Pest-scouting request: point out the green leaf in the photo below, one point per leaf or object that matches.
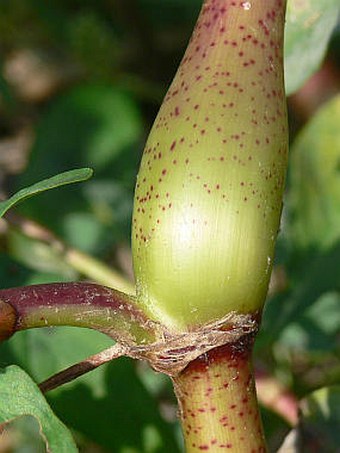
(314, 196)
(317, 275)
(97, 126)
(309, 26)
(38, 255)
(312, 228)
(12, 273)
(68, 177)
(316, 329)
(320, 418)
(20, 396)
(89, 125)
(91, 40)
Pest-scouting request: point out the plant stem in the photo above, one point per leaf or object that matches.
(208, 197)
(73, 304)
(83, 367)
(218, 404)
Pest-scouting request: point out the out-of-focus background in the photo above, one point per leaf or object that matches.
(80, 84)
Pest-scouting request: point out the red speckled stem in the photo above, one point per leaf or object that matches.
(73, 304)
(218, 405)
(209, 192)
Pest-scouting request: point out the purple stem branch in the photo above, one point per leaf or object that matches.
(74, 304)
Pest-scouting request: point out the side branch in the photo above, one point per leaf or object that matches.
(74, 304)
(83, 367)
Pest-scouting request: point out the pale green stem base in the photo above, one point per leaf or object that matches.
(218, 404)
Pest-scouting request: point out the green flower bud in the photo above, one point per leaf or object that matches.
(209, 191)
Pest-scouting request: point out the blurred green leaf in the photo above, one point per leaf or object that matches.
(318, 274)
(97, 125)
(68, 177)
(91, 41)
(314, 194)
(312, 233)
(90, 123)
(14, 274)
(38, 255)
(320, 419)
(19, 396)
(309, 26)
(11, 272)
(171, 12)
(315, 329)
